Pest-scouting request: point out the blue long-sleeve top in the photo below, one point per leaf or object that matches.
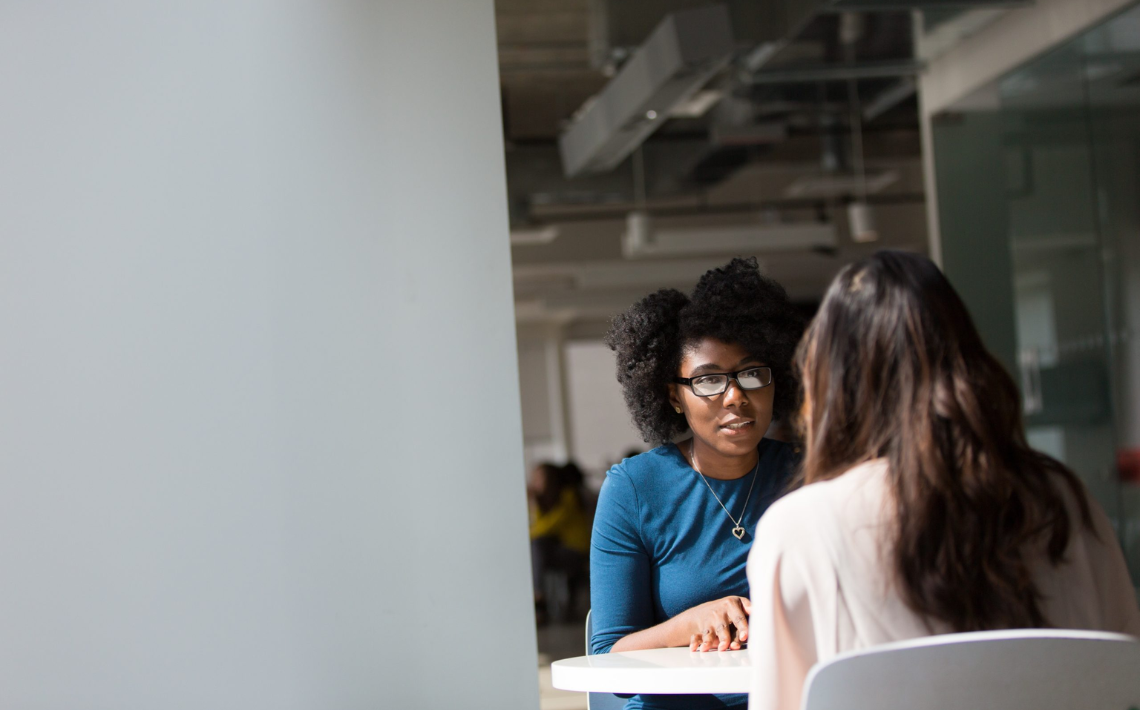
(662, 545)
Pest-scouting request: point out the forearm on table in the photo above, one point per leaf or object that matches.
(667, 634)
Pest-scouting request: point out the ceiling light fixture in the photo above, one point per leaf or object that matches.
(644, 240)
(534, 236)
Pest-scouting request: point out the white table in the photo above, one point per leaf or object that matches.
(660, 671)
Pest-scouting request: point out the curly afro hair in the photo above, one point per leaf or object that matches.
(733, 304)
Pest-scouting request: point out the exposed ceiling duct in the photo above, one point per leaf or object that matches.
(835, 185)
(617, 26)
(890, 97)
(685, 50)
(642, 240)
(566, 277)
(691, 41)
(757, 161)
(767, 27)
(838, 72)
(943, 5)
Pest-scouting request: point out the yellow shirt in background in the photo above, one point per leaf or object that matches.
(565, 521)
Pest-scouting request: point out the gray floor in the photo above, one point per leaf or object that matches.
(557, 641)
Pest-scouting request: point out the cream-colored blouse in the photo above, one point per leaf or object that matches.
(821, 584)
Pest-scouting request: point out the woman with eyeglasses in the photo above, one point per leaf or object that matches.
(924, 511)
(703, 376)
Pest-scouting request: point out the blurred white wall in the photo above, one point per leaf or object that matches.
(600, 422)
(259, 416)
(572, 404)
(542, 385)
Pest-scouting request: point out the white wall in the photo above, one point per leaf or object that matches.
(239, 243)
(600, 423)
(534, 384)
(542, 387)
(572, 403)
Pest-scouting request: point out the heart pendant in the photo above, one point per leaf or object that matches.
(738, 532)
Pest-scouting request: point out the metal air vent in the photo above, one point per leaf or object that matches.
(685, 50)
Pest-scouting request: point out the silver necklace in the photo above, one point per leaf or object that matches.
(738, 530)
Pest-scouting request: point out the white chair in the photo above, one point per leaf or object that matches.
(1035, 669)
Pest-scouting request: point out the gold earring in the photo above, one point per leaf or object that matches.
(678, 409)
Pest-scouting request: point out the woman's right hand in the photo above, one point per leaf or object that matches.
(713, 624)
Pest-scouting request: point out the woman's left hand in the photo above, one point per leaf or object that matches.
(720, 625)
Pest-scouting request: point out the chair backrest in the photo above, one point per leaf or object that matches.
(600, 701)
(1036, 669)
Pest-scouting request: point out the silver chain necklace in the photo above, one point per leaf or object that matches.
(738, 530)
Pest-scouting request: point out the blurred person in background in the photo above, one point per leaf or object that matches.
(559, 530)
(574, 480)
(923, 509)
(674, 525)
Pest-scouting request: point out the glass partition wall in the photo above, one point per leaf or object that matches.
(1039, 210)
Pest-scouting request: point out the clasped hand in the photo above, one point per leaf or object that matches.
(719, 625)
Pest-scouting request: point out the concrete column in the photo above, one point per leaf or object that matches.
(259, 423)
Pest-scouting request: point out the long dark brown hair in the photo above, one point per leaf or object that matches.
(894, 368)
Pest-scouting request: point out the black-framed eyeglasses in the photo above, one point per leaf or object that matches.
(711, 385)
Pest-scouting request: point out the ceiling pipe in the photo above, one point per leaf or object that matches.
(890, 97)
(838, 72)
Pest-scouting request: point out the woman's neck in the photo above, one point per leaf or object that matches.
(716, 465)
